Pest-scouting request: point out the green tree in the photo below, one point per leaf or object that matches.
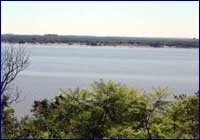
(108, 110)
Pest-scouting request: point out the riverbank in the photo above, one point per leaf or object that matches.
(101, 41)
(84, 45)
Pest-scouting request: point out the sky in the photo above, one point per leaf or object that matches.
(129, 18)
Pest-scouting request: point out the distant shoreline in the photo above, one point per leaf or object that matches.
(131, 42)
(84, 45)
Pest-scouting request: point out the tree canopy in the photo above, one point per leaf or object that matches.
(107, 110)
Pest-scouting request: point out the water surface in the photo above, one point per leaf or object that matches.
(55, 67)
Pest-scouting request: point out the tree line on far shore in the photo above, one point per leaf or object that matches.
(101, 41)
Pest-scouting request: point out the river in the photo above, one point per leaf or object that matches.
(55, 66)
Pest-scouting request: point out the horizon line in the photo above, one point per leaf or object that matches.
(101, 35)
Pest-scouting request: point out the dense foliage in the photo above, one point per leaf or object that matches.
(101, 41)
(107, 110)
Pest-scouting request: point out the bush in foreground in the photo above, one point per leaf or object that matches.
(107, 110)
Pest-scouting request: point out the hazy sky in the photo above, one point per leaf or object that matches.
(144, 19)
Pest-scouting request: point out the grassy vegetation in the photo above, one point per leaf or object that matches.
(107, 110)
(101, 41)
